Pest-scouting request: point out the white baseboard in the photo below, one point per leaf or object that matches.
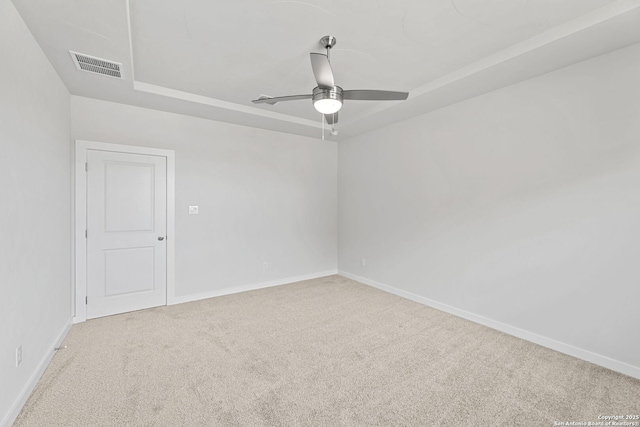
(250, 287)
(13, 413)
(598, 359)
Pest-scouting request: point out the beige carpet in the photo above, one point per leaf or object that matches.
(324, 352)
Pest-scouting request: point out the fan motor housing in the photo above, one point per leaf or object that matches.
(327, 93)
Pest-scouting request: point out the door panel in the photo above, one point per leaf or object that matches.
(129, 197)
(126, 214)
(128, 270)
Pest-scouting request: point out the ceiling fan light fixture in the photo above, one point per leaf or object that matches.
(327, 98)
(327, 106)
(327, 101)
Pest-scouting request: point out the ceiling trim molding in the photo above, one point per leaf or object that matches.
(205, 100)
(548, 37)
(128, 7)
(213, 102)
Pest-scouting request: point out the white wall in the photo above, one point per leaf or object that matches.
(35, 209)
(520, 208)
(262, 195)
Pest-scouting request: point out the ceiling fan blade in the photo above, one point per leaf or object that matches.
(322, 70)
(271, 100)
(331, 118)
(374, 95)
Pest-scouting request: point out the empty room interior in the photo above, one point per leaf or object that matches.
(305, 213)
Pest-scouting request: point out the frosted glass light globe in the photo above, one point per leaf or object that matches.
(327, 105)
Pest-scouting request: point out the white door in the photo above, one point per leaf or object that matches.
(126, 232)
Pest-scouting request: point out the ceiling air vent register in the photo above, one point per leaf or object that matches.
(95, 65)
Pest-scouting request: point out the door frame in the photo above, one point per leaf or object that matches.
(80, 217)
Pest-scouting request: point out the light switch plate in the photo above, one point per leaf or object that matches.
(193, 210)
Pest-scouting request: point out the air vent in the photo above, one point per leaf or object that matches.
(95, 65)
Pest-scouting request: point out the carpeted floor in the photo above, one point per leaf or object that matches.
(323, 352)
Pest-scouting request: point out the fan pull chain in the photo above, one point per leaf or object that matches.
(322, 121)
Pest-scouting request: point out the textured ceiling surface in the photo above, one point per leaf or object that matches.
(210, 58)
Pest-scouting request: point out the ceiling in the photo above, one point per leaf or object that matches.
(211, 58)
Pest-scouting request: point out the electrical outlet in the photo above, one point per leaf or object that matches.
(265, 264)
(18, 355)
(193, 210)
(364, 262)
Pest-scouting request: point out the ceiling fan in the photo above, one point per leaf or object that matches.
(327, 97)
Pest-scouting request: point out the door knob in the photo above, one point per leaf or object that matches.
(161, 238)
